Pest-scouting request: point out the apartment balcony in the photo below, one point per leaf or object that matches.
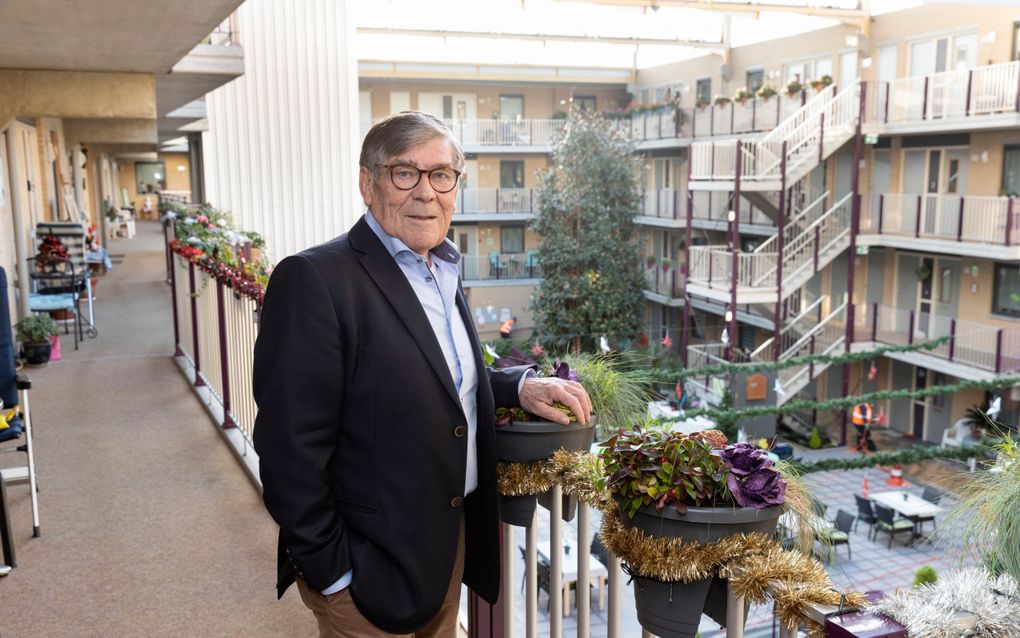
(986, 97)
(506, 136)
(506, 269)
(667, 208)
(496, 204)
(949, 224)
(972, 350)
(664, 284)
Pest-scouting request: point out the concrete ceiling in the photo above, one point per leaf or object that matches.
(146, 36)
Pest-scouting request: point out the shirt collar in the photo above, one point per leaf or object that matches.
(447, 251)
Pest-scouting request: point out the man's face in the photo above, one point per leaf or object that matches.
(419, 217)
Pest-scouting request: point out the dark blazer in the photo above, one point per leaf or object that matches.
(360, 435)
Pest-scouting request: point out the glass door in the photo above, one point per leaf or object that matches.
(924, 310)
(919, 408)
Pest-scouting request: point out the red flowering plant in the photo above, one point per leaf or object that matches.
(51, 252)
(653, 465)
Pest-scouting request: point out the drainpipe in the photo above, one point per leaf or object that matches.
(18, 213)
(855, 221)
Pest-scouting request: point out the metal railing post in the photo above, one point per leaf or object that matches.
(734, 612)
(959, 221)
(531, 572)
(821, 138)
(811, 366)
(194, 323)
(173, 298)
(221, 319)
(924, 103)
(917, 219)
(615, 576)
(557, 606)
(952, 338)
(881, 211)
(1009, 221)
(497, 201)
(970, 83)
(998, 350)
(817, 242)
(874, 322)
(887, 91)
(910, 328)
(583, 588)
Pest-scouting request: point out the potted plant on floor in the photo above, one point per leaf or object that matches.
(698, 490)
(525, 442)
(34, 334)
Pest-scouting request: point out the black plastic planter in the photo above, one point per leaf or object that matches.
(517, 510)
(36, 354)
(673, 610)
(568, 508)
(526, 441)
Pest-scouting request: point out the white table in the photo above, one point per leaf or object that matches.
(912, 507)
(596, 570)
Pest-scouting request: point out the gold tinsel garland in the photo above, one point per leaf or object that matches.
(756, 566)
(523, 479)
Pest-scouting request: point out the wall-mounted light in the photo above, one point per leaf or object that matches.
(852, 41)
(181, 168)
(731, 216)
(984, 157)
(728, 317)
(865, 63)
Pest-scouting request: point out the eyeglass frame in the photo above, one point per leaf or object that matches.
(420, 173)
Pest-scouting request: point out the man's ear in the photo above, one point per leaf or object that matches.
(365, 184)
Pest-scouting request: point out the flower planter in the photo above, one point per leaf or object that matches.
(517, 510)
(36, 354)
(528, 441)
(673, 609)
(568, 506)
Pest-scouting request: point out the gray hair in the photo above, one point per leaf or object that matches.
(400, 133)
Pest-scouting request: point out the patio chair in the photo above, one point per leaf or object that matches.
(532, 264)
(56, 286)
(866, 514)
(932, 494)
(497, 266)
(890, 525)
(840, 535)
(72, 236)
(15, 412)
(821, 509)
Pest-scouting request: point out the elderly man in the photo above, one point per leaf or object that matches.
(375, 428)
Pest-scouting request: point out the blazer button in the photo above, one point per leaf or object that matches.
(459, 431)
(456, 502)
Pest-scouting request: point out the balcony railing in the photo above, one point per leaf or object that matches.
(215, 329)
(981, 91)
(664, 279)
(500, 266)
(226, 33)
(986, 220)
(497, 201)
(505, 132)
(968, 343)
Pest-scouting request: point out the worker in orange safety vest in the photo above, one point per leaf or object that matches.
(862, 419)
(507, 328)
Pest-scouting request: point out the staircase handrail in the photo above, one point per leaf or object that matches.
(765, 245)
(789, 326)
(814, 330)
(798, 117)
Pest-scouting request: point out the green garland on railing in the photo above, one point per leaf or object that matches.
(772, 366)
(844, 403)
(902, 457)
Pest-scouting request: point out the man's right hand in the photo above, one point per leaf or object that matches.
(539, 393)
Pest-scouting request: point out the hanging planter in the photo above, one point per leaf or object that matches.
(695, 489)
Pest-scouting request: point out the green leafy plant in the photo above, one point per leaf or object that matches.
(821, 82)
(653, 465)
(793, 87)
(741, 95)
(925, 576)
(987, 513)
(702, 103)
(765, 91)
(721, 100)
(35, 329)
(816, 438)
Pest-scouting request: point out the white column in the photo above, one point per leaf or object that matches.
(280, 152)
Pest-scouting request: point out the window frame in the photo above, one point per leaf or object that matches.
(509, 96)
(503, 228)
(1006, 149)
(160, 184)
(697, 90)
(758, 72)
(581, 99)
(995, 292)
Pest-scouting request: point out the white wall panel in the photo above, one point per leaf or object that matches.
(281, 149)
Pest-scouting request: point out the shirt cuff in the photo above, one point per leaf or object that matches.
(339, 585)
(524, 377)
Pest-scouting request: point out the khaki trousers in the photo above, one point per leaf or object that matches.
(339, 618)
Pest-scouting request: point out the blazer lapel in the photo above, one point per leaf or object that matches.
(485, 401)
(386, 274)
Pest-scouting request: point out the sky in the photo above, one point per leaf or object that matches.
(567, 17)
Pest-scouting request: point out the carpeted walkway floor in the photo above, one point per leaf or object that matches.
(149, 525)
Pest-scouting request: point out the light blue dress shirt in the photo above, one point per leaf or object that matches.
(436, 289)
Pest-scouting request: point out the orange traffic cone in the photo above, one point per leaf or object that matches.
(864, 487)
(895, 476)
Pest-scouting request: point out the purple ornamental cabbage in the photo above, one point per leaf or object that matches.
(753, 480)
(563, 371)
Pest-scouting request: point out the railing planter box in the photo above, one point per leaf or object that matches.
(673, 609)
(533, 441)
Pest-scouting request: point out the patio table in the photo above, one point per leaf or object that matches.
(908, 505)
(597, 571)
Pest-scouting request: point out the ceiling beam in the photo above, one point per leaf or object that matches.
(543, 37)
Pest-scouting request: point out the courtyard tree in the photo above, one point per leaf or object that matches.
(592, 281)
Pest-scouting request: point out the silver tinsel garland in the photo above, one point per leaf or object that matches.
(931, 611)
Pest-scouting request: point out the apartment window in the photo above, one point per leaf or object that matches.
(1016, 41)
(447, 107)
(755, 79)
(1011, 171)
(703, 91)
(511, 174)
(150, 176)
(511, 107)
(1006, 292)
(938, 401)
(511, 239)
(584, 103)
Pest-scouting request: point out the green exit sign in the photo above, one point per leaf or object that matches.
(871, 138)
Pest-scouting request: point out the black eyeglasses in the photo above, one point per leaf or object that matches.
(405, 177)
